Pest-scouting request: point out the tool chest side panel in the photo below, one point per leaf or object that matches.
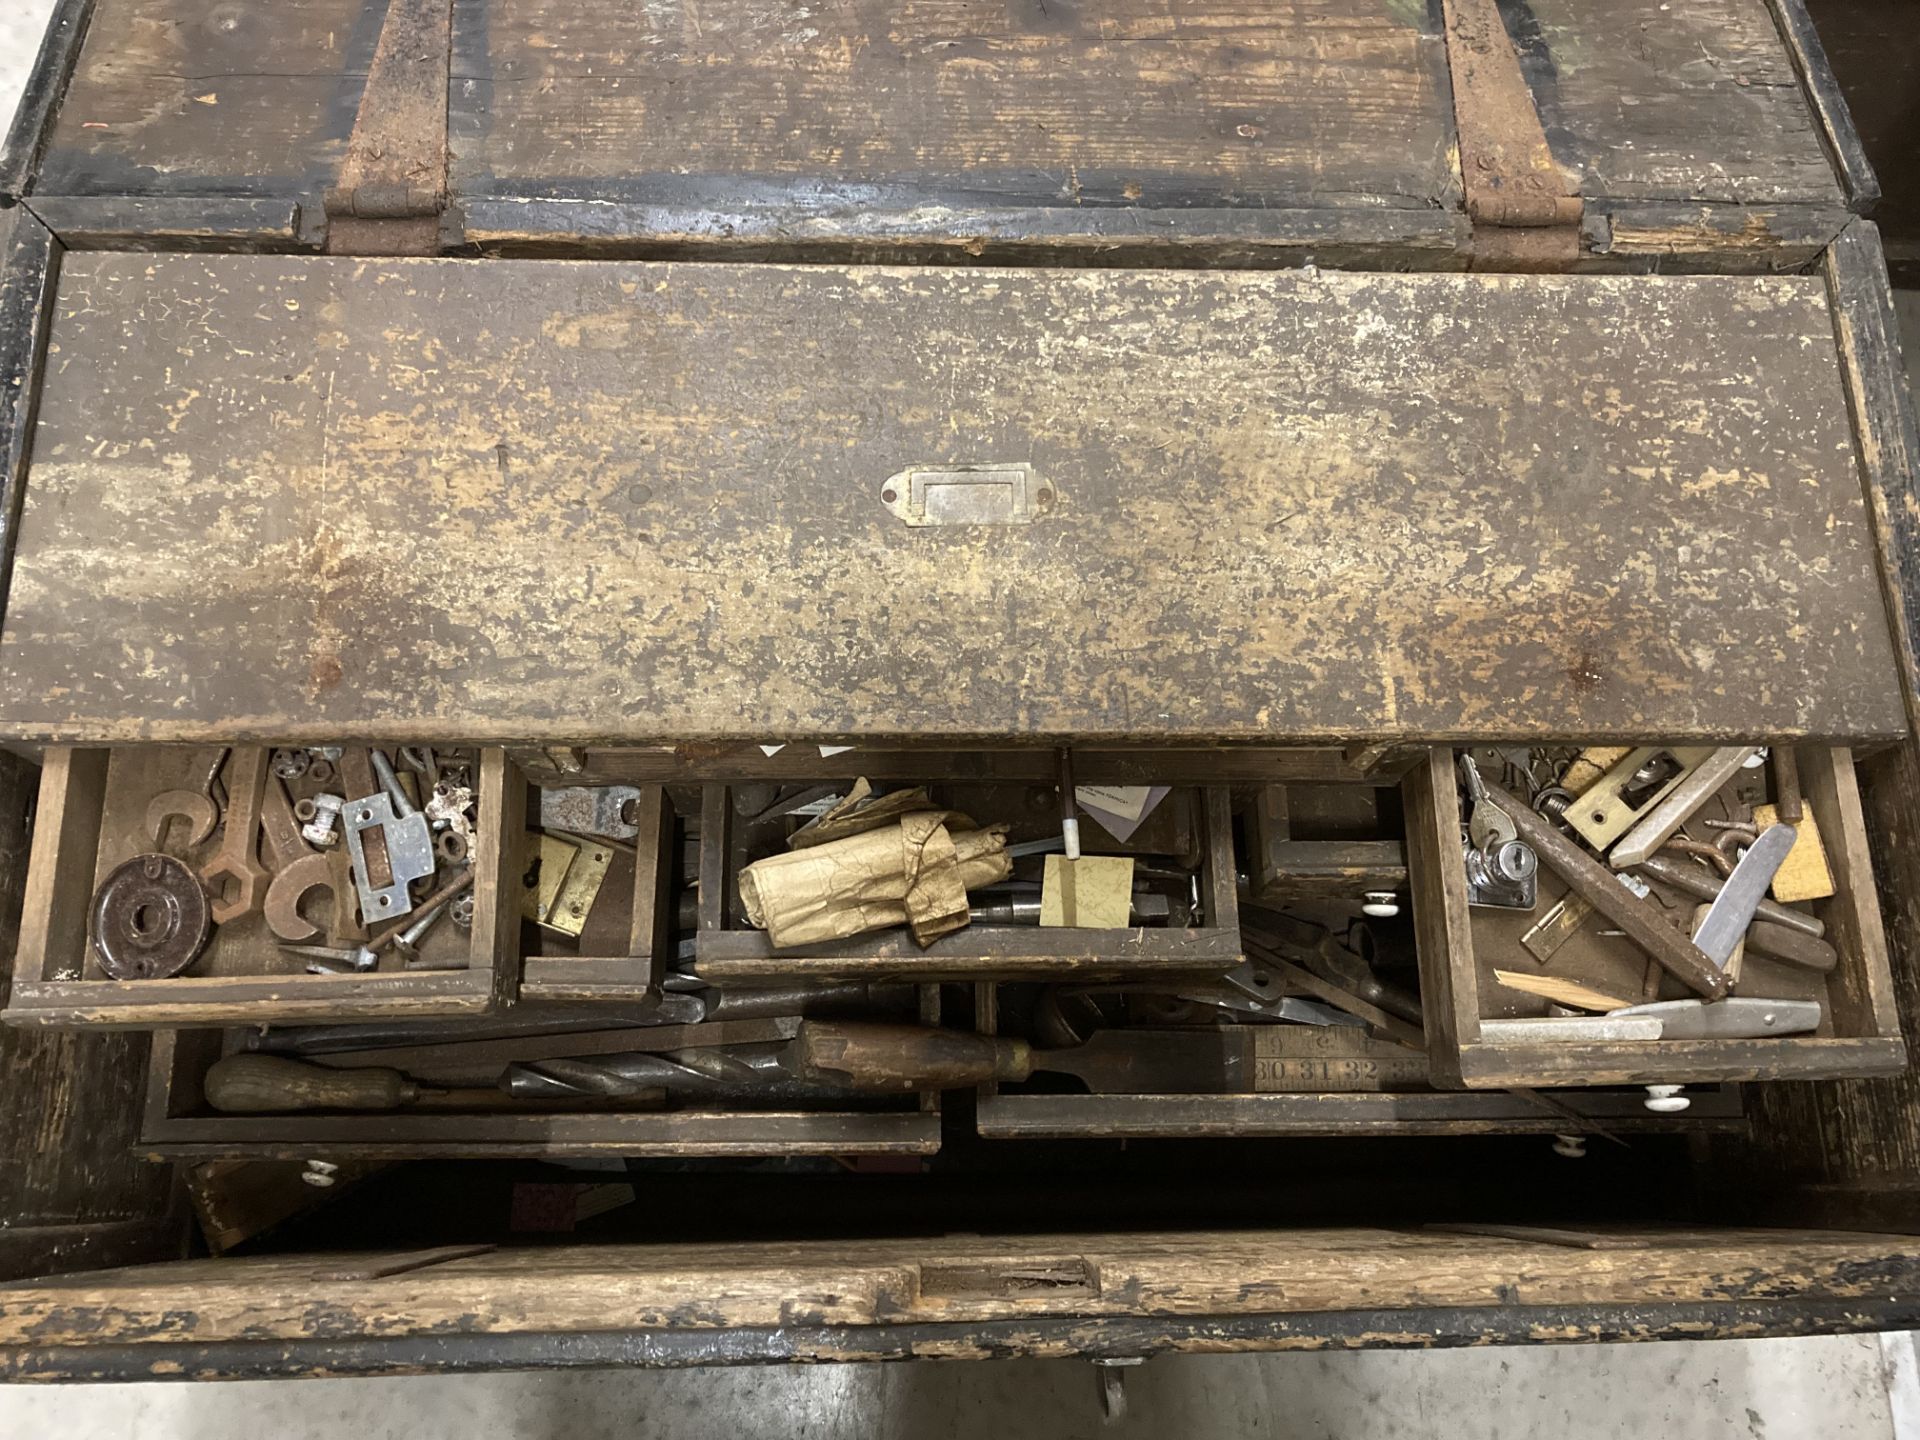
(537, 500)
(945, 102)
(73, 1195)
(717, 1287)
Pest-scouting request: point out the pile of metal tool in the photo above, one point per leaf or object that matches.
(330, 844)
(1672, 850)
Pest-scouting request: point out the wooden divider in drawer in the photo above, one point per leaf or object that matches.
(93, 816)
(1461, 948)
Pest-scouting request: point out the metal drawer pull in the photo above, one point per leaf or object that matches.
(967, 494)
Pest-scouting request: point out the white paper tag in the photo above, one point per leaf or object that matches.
(771, 750)
(1129, 802)
(828, 751)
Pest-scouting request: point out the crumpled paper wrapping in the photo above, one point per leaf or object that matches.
(913, 869)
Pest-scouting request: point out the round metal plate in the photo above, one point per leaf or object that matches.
(151, 919)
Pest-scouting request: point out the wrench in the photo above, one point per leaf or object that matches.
(292, 885)
(196, 807)
(238, 861)
(282, 831)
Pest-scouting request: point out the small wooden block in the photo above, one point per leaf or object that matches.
(1094, 892)
(1805, 874)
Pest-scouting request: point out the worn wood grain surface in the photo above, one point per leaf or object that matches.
(1155, 102)
(210, 97)
(277, 496)
(1649, 100)
(867, 1282)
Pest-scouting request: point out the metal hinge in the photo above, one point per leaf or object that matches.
(1525, 211)
(392, 187)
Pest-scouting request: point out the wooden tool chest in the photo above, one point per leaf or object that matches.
(1304, 414)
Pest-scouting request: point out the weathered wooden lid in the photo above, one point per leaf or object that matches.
(549, 501)
(1324, 128)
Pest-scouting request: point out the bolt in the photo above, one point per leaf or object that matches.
(1666, 1099)
(1382, 904)
(407, 942)
(319, 830)
(390, 782)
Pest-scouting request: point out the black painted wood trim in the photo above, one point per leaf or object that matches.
(46, 88)
(1121, 1338)
(1886, 443)
(1823, 92)
(170, 222)
(29, 268)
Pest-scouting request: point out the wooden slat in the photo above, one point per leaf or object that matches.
(1691, 102)
(205, 97)
(581, 1288)
(1457, 1113)
(1260, 102)
(979, 952)
(534, 501)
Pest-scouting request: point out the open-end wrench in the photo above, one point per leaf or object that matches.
(293, 884)
(196, 807)
(235, 876)
(280, 828)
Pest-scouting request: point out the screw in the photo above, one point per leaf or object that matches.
(390, 782)
(407, 942)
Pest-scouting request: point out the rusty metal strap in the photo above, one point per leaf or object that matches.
(392, 186)
(1507, 170)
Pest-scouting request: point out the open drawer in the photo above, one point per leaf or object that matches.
(99, 809)
(1305, 1080)
(178, 1123)
(1461, 948)
(1198, 931)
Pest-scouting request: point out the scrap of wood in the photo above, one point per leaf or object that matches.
(1561, 992)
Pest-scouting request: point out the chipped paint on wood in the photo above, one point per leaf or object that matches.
(526, 500)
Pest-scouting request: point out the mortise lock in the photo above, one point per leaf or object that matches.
(967, 494)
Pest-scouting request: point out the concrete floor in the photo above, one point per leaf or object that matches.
(1829, 1388)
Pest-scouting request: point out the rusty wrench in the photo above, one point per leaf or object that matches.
(196, 807)
(235, 876)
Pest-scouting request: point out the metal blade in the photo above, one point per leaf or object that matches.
(1742, 1017)
(1719, 933)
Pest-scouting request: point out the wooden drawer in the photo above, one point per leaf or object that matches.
(1297, 1107)
(177, 1124)
(1461, 947)
(92, 816)
(726, 953)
